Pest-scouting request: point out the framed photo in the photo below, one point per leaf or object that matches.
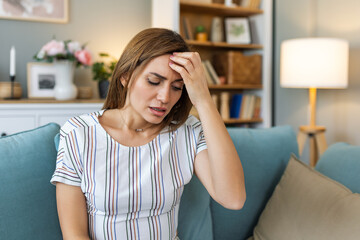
(41, 80)
(237, 30)
(56, 11)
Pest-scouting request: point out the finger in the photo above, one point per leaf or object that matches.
(194, 56)
(186, 63)
(181, 70)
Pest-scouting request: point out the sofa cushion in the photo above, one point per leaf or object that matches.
(309, 205)
(27, 199)
(194, 213)
(264, 154)
(341, 162)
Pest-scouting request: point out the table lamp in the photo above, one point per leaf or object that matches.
(314, 63)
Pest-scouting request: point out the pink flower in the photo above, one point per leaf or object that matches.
(84, 57)
(53, 48)
(73, 46)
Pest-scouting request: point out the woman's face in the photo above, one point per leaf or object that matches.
(155, 91)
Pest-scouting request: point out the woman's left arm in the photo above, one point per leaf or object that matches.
(219, 167)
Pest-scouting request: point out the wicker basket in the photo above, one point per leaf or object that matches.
(238, 68)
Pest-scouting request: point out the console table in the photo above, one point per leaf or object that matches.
(20, 115)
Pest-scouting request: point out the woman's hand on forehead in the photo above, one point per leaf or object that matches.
(189, 66)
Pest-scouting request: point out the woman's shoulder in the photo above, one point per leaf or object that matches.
(79, 122)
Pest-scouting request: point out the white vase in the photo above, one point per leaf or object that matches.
(65, 88)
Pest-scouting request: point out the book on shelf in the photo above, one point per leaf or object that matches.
(235, 105)
(257, 108)
(187, 29)
(212, 72)
(207, 75)
(224, 107)
(245, 106)
(250, 109)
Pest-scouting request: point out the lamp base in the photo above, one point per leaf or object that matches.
(317, 141)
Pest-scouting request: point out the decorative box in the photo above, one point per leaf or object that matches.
(238, 68)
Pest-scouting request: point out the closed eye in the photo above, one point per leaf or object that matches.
(177, 88)
(152, 83)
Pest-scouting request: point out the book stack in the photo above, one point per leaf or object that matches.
(211, 76)
(245, 106)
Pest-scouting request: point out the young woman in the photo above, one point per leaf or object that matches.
(121, 171)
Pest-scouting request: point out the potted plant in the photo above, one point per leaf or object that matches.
(102, 71)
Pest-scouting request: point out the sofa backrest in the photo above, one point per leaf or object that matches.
(27, 199)
(341, 162)
(264, 154)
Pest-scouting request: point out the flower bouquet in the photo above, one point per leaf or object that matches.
(65, 50)
(66, 55)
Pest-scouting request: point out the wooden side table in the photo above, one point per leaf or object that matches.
(317, 141)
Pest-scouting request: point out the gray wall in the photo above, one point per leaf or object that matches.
(105, 25)
(337, 110)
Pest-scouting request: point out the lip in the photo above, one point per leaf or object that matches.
(158, 111)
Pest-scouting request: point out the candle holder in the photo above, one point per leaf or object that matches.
(12, 80)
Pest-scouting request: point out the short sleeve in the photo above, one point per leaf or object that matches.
(201, 143)
(69, 167)
(198, 133)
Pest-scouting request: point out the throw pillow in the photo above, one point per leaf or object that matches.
(309, 205)
(27, 199)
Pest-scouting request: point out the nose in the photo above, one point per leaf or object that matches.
(164, 94)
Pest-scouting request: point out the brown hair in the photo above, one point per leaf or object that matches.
(145, 46)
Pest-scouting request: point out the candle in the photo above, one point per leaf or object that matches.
(12, 61)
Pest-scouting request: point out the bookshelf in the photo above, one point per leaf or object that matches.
(198, 13)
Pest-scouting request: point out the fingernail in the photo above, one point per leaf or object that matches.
(175, 53)
(172, 56)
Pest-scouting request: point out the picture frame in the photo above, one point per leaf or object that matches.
(55, 11)
(237, 30)
(41, 80)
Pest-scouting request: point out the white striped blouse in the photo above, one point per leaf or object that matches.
(131, 192)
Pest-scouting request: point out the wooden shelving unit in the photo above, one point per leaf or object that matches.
(202, 14)
(194, 14)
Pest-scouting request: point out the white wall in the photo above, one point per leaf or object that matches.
(337, 110)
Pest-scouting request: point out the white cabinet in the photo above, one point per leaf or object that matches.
(16, 117)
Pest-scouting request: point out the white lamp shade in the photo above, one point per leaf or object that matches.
(314, 63)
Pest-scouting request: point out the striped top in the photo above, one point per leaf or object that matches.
(131, 192)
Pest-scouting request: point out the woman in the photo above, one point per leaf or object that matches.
(120, 172)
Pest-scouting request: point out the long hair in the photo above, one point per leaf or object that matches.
(145, 46)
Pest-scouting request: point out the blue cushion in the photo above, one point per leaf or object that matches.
(194, 213)
(27, 199)
(341, 162)
(264, 154)
(57, 141)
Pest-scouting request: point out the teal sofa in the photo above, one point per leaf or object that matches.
(28, 202)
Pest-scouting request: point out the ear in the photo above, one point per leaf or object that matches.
(123, 81)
